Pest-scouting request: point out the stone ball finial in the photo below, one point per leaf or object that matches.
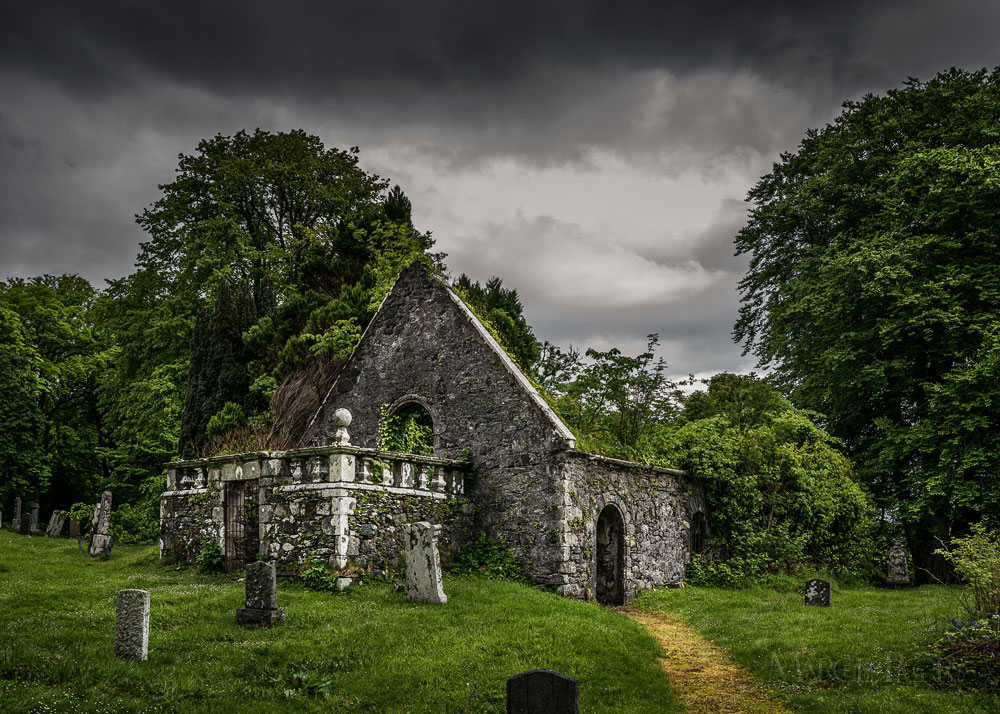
(342, 418)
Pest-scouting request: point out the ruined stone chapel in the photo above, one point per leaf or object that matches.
(504, 464)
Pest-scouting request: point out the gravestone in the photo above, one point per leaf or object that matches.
(100, 541)
(132, 624)
(16, 522)
(261, 598)
(898, 571)
(25, 524)
(818, 592)
(55, 524)
(74, 528)
(1, 518)
(34, 516)
(423, 564)
(542, 691)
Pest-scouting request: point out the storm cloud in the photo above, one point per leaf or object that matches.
(594, 155)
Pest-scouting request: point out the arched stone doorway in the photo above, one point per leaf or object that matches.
(408, 428)
(699, 533)
(610, 569)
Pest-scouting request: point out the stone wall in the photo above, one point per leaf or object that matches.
(656, 504)
(339, 504)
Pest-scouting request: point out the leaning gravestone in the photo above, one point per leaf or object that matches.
(74, 528)
(542, 691)
(16, 522)
(898, 572)
(55, 524)
(132, 624)
(34, 516)
(818, 592)
(25, 524)
(423, 564)
(261, 598)
(100, 541)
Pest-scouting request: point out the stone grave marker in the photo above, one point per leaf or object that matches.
(423, 564)
(261, 598)
(16, 522)
(1, 518)
(100, 541)
(34, 516)
(818, 592)
(25, 524)
(55, 524)
(132, 624)
(898, 571)
(542, 691)
(74, 528)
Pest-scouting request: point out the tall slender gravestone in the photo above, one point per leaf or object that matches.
(34, 516)
(25, 524)
(898, 572)
(74, 528)
(100, 541)
(56, 523)
(1, 518)
(132, 624)
(16, 522)
(423, 564)
(818, 592)
(542, 691)
(261, 599)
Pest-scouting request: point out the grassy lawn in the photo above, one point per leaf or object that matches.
(366, 650)
(863, 654)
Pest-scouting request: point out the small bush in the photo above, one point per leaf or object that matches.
(316, 577)
(485, 556)
(84, 514)
(210, 557)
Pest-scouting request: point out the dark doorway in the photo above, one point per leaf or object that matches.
(699, 533)
(240, 513)
(610, 557)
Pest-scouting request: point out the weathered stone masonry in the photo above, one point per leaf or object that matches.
(584, 525)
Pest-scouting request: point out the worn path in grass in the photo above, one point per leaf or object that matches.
(704, 677)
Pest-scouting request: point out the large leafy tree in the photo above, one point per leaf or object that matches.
(874, 294)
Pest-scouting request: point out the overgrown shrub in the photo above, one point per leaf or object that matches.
(316, 577)
(210, 557)
(485, 556)
(84, 514)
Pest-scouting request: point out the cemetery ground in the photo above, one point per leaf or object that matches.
(368, 650)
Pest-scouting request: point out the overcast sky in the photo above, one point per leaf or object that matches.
(594, 155)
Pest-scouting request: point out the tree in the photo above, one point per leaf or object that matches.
(502, 312)
(873, 292)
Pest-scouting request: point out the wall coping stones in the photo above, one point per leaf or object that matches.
(322, 451)
(573, 453)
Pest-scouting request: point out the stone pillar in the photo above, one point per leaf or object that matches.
(100, 541)
(34, 517)
(342, 419)
(342, 468)
(16, 522)
(343, 508)
(423, 564)
(55, 524)
(542, 691)
(818, 592)
(261, 598)
(132, 624)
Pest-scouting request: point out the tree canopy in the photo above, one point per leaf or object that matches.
(873, 292)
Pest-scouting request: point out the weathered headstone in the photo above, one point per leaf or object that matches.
(261, 598)
(25, 524)
(898, 572)
(34, 516)
(542, 691)
(74, 528)
(100, 541)
(818, 592)
(55, 524)
(16, 522)
(1, 518)
(423, 564)
(132, 624)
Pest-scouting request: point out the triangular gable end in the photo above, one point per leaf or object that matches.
(419, 274)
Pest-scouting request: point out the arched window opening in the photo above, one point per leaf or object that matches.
(699, 533)
(409, 430)
(610, 570)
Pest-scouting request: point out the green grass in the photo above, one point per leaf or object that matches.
(366, 650)
(866, 653)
